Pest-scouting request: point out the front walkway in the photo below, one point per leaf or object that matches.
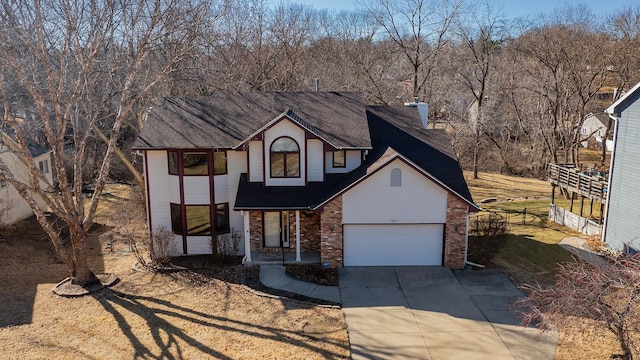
(258, 258)
(578, 246)
(274, 276)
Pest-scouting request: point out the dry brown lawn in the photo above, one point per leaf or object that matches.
(149, 315)
(532, 252)
(502, 187)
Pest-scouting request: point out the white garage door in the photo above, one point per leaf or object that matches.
(390, 245)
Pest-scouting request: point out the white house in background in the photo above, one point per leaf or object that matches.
(621, 230)
(593, 128)
(305, 173)
(13, 207)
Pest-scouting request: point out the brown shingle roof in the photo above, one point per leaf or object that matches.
(225, 120)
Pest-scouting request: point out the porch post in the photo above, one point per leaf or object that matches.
(298, 236)
(247, 237)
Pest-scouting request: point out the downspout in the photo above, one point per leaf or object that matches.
(613, 153)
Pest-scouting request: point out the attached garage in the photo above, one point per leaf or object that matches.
(403, 224)
(393, 245)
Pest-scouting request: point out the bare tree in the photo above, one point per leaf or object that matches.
(624, 27)
(569, 67)
(482, 35)
(608, 294)
(420, 29)
(82, 64)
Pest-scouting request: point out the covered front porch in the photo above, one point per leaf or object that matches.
(281, 237)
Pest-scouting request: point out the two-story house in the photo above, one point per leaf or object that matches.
(305, 172)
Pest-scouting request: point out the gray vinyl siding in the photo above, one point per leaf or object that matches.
(623, 217)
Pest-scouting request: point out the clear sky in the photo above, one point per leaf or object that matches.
(512, 8)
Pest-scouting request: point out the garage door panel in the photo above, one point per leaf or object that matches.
(391, 245)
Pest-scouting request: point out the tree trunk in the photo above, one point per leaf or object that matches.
(476, 144)
(81, 275)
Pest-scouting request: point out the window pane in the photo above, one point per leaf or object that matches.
(284, 144)
(277, 165)
(176, 219)
(222, 218)
(195, 164)
(220, 162)
(198, 220)
(293, 165)
(339, 158)
(173, 162)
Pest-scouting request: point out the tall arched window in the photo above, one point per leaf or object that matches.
(285, 158)
(396, 177)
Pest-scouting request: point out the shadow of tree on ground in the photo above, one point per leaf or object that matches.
(159, 316)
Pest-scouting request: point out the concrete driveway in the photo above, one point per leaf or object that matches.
(434, 313)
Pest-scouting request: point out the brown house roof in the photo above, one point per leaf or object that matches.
(397, 128)
(226, 120)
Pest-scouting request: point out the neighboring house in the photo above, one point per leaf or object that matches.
(621, 230)
(305, 173)
(13, 207)
(592, 131)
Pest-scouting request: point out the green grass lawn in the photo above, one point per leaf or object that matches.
(531, 253)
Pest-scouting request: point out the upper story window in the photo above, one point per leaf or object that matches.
(285, 158)
(44, 166)
(340, 159)
(197, 163)
(219, 162)
(396, 177)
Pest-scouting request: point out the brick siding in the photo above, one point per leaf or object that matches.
(455, 233)
(331, 230)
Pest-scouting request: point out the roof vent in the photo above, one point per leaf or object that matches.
(317, 84)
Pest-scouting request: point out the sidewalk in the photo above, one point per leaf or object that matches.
(274, 276)
(578, 246)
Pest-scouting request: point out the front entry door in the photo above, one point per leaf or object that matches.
(276, 229)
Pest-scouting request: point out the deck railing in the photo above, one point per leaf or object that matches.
(569, 177)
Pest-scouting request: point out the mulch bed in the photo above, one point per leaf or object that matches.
(313, 273)
(201, 269)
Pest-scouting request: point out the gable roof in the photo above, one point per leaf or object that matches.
(396, 133)
(226, 120)
(613, 109)
(35, 149)
(400, 128)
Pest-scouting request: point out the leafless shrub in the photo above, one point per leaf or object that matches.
(163, 247)
(607, 293)
(155, 251)
(596, 244)
(227, 246)
(488, 234)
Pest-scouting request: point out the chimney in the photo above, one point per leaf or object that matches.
(423, 110)
(317, 84)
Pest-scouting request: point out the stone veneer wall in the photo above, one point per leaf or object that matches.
(309, 232)
(331, 232)
(455, 240)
